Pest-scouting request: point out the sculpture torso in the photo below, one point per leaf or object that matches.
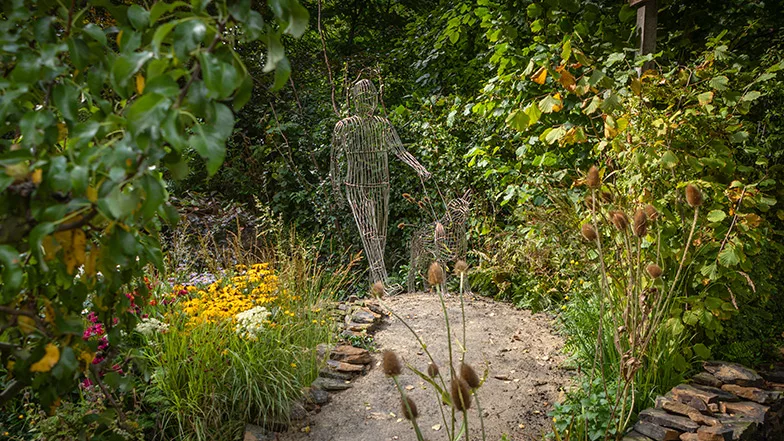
(365, 141)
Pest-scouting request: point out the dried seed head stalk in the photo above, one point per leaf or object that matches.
(693, 196)
(640, 223)
(409, 408)
(377, 290)
(461, 267)
(607, 196)
(469, 375)
(651, 212)
(435, 274)
(592, 179)
(589, 232)
(654, 271)
(401, 225)
(461, 394)
(619, 219)
(432, 370)
(391, 364)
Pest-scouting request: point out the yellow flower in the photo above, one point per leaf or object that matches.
(293, 365)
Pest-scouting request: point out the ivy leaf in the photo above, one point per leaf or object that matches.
(716, 216)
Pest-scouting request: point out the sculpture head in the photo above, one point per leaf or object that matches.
(364, 97)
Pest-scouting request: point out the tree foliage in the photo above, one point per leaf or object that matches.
(98, 100)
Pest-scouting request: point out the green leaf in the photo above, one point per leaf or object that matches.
(593, 105)
(65, 98)
(719, 83)
(702, 351)
(138, 17)
(716, 216)
(173, 131)
(298, 19)
(282, 72)
(751, 95)
(221, 78)
(555, 135)
(154, 196)
(705, 98)
(517, 120)
(739, 137)
(536, 26)
(566, 51)
(125, 67)
(614, 58)
(533, 10)
(243, 93)
(729, 256)
(275, 53)
(533, 113)
(95, 32)
(161, 33)
(147, 111)
(12, 270)
(159, 9)
(549, 104)
(669, 159)
(188, 35)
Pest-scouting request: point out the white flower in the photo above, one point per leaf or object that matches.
(150, 326)
(250, 323)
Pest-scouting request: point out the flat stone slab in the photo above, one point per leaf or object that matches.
(664, 419)
(752, 393)
(635, 436)
(364, 315)
(350, 354)
(714, 433)
(685, 393)
(733, 373)
(752, 411)
(657, 433)
(330, 384)
(346, 367)
(257, 433)
(706, 379)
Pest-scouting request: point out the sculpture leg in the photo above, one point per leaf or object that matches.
(367, 205)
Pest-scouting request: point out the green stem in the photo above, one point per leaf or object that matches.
(449, 345)
(405, 403)
(462, 311)
(481, 417)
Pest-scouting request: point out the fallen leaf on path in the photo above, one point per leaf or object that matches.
(437, 427)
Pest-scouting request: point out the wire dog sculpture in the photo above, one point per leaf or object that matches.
(364, 141)
(443, 241)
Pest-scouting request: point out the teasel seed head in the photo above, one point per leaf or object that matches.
(377, 289)
(589, 232)
(391, 364)
(461, 267)
(589, 200)
(619, 219)
(651, 212)
(640, 223)
(469, 375)
(693, 196)
(461, 394)
(421, 205)
(409, 408)
(592, 179)
(435, 274)
(408, 197)
(432, 370)
(401, 225)
(654, 271)
(607, 196)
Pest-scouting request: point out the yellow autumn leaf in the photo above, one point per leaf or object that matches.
(87, 357)
(50, 358)
(91, 263)
(636, 86)
(139, 83)
(26, 324)
(119, 37)
(557, 107)
(74, 243)
(51, 247)
(92, 194)
(566, 79)
(62, 131)
(539, 76)
(37, 176)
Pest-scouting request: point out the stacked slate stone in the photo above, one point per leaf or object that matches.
(725, 402)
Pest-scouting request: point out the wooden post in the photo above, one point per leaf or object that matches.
(646, 27)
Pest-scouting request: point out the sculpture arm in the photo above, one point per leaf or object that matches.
(334, 165)
(397, 148)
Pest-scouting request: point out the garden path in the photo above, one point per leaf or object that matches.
(520, 350)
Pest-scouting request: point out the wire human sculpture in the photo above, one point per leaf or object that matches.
(364, 141)
(443, 241)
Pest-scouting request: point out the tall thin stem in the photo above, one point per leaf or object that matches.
(408, 408)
